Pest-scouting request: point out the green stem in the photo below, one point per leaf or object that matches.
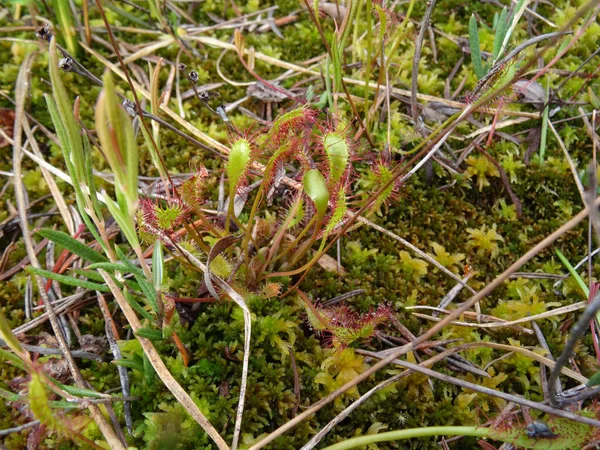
(409, 434)
(255, 204)
(295, 242)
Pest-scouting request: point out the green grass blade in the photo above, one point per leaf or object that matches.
(475, 49)
(118, 267)
(130, 364)
(149, 292)
(80, 392)
(158, 262)
(500, 32)
(573, 273)
(137, 307)
(8, 356)
(89, 274)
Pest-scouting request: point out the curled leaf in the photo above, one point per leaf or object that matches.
(239, 157)
(315, 187)
(337, 151)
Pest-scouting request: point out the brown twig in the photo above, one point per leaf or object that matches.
(417, 57)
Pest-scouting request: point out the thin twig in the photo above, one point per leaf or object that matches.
(492, 392)
(416, 59)
(20, 428)
(570, 161)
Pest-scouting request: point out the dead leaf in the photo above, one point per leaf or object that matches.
(330, 264)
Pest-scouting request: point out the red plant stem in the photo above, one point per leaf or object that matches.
(192, 299)
(593, 292)
(493, 129)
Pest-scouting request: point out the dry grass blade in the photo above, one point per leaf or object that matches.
(180, 394)
(237, 298)
(426, 364)
(509, 323)
(397, 91)
(174, 116)
(570, 161)
(511, 348)
(21, 89)
(419, 252)
(56, 194)
(346, 412)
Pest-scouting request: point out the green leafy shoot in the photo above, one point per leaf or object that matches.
(73, 245)
(11, 340)
(150, 333)
(77, 160)
(137, 307)
(130, 364)
(65, 279)
(116, 267)
(38, 402)
(118, 142)
(584, 288)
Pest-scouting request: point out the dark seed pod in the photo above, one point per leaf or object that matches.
(181, 66)
(539, 429)
(193, 76)
(66, 64)
(129, 107)
(44, 33)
